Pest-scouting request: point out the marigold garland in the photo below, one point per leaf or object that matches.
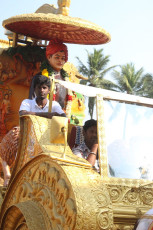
(45, 65)
(47, 71)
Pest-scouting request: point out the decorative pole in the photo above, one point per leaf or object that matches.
(51, 92)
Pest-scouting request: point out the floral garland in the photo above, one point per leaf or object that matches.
(51, 71)
(47, 70)
(68, 103)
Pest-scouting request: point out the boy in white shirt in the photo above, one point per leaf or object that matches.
(39, 105)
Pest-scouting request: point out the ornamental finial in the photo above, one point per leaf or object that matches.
(64, 7)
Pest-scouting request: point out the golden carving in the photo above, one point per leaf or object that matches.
(26, 215)
(95, 198)
(35, 135)
(68, 193)
(44, 184)
(126, 195)
(115, 193)
(49, 187)
(57, 188)
(122, 227)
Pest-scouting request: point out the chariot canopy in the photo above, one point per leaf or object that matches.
(49, 23)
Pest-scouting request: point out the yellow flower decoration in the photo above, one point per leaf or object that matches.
(45, 73)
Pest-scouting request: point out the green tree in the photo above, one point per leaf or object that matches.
(95, 70)
(128, 80)
(147, 89)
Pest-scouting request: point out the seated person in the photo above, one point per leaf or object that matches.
(39, 105)
(89, 148)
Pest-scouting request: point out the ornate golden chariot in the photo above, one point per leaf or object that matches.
(50, 187)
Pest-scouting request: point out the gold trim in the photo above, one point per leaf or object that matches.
(102, 151)
(51, 92)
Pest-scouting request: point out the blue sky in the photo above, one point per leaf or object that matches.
(130, 23)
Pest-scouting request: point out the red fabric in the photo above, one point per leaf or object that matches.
(72, 137)
(68, 97)
(54, 97)
(55, 46)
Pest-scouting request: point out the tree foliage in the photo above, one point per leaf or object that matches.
(128, 80)
(95, 70)
(147, 88)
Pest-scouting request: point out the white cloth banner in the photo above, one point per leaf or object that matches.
(88, 91)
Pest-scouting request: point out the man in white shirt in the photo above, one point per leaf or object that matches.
(39, 105)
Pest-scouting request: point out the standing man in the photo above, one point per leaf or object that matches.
(56, 57)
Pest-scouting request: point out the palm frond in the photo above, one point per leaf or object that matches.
(96, 70)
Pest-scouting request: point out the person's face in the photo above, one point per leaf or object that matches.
(42, 91)
(90, 136)
(57, 60)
